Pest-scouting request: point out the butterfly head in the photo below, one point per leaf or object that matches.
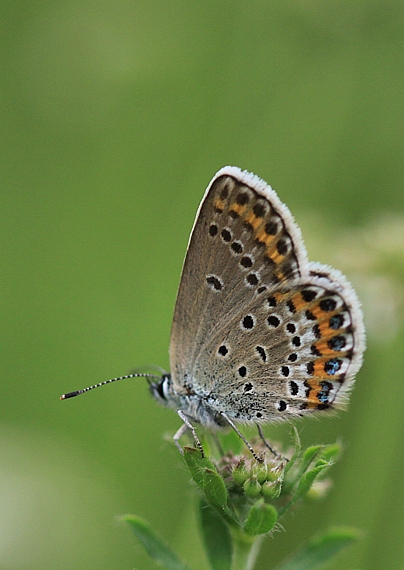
(162, 390)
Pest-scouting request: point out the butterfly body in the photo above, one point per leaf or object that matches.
(198, 406)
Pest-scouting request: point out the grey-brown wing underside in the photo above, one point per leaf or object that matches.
(244, 241)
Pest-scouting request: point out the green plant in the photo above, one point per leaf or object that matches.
(241, 500)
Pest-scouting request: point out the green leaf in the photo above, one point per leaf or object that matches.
(260, 519)
(304, 486)
(197, 465)
(321, 549)
(216, 536)
(309, 455)
(307, 481)
(331, 452)
(215, 489)
(154, 546)
(208, 479)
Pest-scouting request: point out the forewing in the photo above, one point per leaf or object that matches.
(244, 242)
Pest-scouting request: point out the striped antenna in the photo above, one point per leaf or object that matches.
(78, 392)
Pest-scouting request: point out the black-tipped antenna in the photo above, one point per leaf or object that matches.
(78, 392)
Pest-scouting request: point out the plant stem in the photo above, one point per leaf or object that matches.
(246, 549)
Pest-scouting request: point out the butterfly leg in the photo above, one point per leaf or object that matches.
(178, 435)
(238, 432)
(264, 441)
(187, 425)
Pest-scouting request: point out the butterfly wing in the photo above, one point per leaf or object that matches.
(290, 351)
(244, 242)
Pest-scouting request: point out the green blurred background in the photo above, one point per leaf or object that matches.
(114, 117)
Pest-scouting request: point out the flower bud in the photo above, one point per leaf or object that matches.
(252, 487)
(240, 473)
(272, 489)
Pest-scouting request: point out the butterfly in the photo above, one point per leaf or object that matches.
(259, 333)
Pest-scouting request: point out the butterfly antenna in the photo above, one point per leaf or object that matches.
(78, 392)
